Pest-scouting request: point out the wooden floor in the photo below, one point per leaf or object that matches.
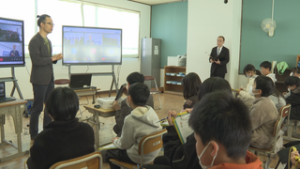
(169, 102)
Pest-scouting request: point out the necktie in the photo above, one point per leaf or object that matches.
(218, 52)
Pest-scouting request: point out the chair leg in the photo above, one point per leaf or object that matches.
(160, 106)
(291, 130)
(267, 163)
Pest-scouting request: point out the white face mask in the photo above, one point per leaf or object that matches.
(199, 157)
(250, 90)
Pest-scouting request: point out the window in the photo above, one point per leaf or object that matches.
(74, 13)
(62, 13)
(108, 17)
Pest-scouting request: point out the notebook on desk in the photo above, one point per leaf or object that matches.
(3, 97)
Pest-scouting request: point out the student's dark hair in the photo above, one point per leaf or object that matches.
(42, 18)
(222, 38)
(292, 80)
(62, 104)
(139, 93)
(266, 64)
(296, 70)
(250, 67)
(221, 117)
(213, 84)
(191, 84)
(265, 84)
(135, 77)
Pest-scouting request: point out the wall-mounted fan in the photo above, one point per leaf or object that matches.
(269, 25)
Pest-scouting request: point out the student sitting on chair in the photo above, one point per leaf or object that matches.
(251, 73)
(247, 96)
(64, 138)
(265, 68)
(222, 128)
(222, 133)
(263, 113)
(293, 85)
(191, 84)
(124, 110)
(295, 72)
(184, 155)
(142, 121)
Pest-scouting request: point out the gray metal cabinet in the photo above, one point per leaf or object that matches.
(150, 60)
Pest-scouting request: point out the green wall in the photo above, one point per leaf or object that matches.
(257, 46)
(169, 23)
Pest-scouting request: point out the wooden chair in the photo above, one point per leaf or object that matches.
(89, 161)
(291, 129)
(156, 90)
(147, 145)
(283, 113)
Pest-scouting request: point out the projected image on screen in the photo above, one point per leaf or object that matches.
(11, 42)
(83, 45)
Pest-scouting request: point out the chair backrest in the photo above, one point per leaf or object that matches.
(151, 143)
(62, 81)
(283, 113)
(147, 78)
(89, 161)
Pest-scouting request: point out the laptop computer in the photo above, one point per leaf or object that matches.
(3, 97)
(80, 81)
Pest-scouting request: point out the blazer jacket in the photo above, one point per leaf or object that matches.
(223, 57)
(42, 70)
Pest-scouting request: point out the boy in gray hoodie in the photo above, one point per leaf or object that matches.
(142, 121)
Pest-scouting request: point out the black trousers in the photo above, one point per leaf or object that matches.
(161, 162)
(217, 74)
(117, 154)
(41, 93)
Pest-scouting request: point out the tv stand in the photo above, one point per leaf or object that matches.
(112, 73)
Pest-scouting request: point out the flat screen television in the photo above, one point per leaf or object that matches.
(11, 43)
(91, 46)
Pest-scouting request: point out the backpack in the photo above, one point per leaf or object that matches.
(281, 67)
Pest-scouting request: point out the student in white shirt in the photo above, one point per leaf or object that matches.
(265, 68)
(246, 93)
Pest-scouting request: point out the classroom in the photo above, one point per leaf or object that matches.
(164, 84)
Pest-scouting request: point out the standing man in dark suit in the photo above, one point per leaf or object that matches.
(42, 79)
(14, 52)
(219, 57)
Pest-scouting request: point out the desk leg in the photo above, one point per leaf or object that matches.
(16, 113)
(97, 128)
(2, 122)
(19, 126)
(94, 96)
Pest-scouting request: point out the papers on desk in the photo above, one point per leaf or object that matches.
(182, 126)
(108, 147)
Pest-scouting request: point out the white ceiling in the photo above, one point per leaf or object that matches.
(155, 2)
